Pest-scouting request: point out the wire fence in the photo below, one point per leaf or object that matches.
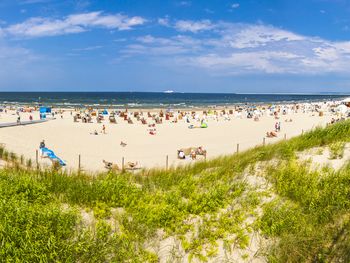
(92, 162)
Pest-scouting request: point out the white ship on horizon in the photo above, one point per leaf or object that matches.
(168, 91)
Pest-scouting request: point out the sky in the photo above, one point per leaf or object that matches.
(246, 46)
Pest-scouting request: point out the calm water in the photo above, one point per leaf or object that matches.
(150, 100)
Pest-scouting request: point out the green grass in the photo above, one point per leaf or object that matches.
(41, 211)
(337, 150)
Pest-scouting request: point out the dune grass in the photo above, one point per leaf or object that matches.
(43, 212)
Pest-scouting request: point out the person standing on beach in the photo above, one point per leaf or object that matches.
(41, 146)
(104, 129)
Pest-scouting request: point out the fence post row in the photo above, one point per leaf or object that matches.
(166, 160)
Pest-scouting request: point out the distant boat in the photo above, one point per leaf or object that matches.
(169, 91)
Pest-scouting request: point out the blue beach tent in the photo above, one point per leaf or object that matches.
(45, 110)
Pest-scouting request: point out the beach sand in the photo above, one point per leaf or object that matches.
(69, 140)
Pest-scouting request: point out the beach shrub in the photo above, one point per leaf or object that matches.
(29, 163)
(336, 150)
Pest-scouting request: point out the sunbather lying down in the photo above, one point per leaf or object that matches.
(203, 125)
(94, 133)
(111, 166)
(191, 151)
(271, 134)
(131, 166)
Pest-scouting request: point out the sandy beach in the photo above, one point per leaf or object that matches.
(69, 139)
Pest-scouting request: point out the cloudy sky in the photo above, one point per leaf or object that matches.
(250, 46)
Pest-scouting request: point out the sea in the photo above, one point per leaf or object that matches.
(154, 99)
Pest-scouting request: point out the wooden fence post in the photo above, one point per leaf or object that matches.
(167, 162)
(237, 150)
(264, 141)
(79, 163)
(122, 163)
(37, 159)
(285, 136)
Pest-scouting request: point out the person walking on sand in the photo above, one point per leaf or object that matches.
(104, 129)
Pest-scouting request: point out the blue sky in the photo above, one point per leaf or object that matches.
(245, 46)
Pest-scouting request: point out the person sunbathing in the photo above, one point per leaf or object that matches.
(94, 133)
(122, 144)
(271, 134)
(111, 166)
(181, 154)
(131, 165)
(201, 151)
(193, 155)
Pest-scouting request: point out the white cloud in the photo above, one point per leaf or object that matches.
(14, 58)
(39, 27)
(193, 26)
(185, 3)
(88, 48)
(157, 46)
(245, 49)
(164, 21)
(235, 5)
(241, 62)
(251, 36)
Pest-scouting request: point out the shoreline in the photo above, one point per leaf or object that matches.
(160, 100)
(156, 109)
